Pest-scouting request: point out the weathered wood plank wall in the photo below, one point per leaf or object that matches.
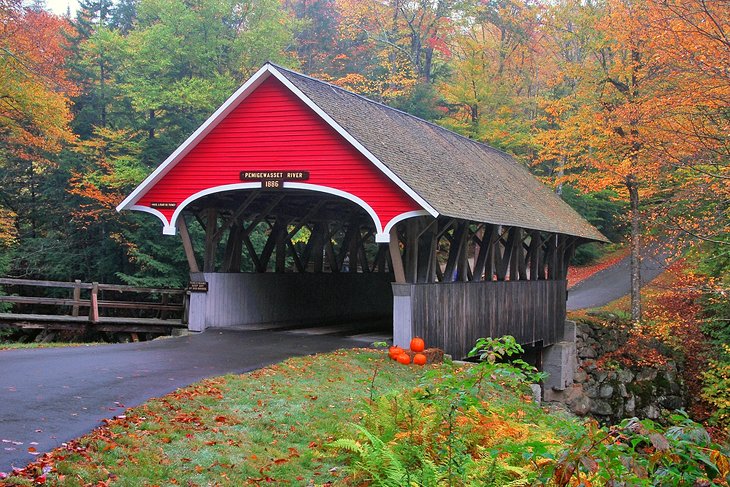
(240, 299)
(452, 316)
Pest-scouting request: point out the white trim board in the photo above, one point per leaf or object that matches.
(223, 111)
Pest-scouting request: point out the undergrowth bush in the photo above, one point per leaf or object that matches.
(478, 425)
(716, 390)
(458, 427)
(641, 453)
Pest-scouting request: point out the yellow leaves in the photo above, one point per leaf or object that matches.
(8, 230)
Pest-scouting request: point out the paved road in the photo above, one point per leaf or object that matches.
(48, 396)
(614, 282)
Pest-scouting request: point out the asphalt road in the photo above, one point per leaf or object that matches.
(49, 396)
(615, 282)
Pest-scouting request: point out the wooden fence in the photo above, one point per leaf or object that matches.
(162, 302)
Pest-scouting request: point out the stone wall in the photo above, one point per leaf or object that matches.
(610, 391)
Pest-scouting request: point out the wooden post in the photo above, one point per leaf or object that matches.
(463, 270)
(514, 263)
(426, 255)
(185, 319)
(395, 256)
(277, 233)
(455, 250)
(522, 257)
(280, 244)
(552, 257)
(234, 247)
(318, 247)
(535, 253)
(411, 257)
(354, 248)
(485, 247)
(94, 306)
(76, 297)
(187, 245)
(165, 302)
(211, 244)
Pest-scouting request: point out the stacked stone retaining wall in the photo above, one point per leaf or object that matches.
(611, 391)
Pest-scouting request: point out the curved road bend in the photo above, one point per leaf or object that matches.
(615, 282)
(50, 396)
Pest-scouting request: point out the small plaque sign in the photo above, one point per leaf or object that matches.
(163, 204)
(198, 287)
(274, 179)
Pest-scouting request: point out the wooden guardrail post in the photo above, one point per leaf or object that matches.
(186, 308)
(165, 301)
(76, 297)
(94, 307)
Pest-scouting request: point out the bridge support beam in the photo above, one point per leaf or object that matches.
(559, 361)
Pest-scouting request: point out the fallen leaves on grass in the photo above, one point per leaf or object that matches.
(267, 427)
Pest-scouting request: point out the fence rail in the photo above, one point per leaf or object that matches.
(167, 298)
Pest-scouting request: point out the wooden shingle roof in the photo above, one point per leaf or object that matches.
(456, 176)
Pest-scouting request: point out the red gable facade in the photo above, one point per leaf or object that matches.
(275, 134)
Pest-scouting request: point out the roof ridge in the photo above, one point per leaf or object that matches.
(419, 119)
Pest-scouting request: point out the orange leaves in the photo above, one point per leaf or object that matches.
(34, 89)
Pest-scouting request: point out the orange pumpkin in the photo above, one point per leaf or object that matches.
(417, 344)
(419, 359)
(394, 351)
(404, 359)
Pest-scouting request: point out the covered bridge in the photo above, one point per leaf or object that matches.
(321, 205)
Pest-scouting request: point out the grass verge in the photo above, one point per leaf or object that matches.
(355, 418)
(269, 427)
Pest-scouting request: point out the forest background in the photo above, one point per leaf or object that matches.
(623, 106)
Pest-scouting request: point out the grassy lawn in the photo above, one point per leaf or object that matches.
(356, 418)
(268, 427)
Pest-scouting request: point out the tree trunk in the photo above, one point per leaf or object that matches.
(633, 186)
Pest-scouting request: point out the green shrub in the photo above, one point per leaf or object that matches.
(476, 425)
(716, 390)
(640, 453)
(463, 425)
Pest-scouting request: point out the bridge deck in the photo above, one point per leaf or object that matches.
(82, 323)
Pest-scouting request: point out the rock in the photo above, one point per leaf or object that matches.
(536, 393)
(601, 407)
(587, 352)
(581, 405)
(672, 402)
(606, 391)
(589, 366)
(630, 405)
(625, 375)
(646, 373)
(622, 390)
(566, 396)
(651, 412)
(580, 375)
(600, 375)
(590, 389)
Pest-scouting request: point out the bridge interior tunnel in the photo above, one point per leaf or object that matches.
(286, 257)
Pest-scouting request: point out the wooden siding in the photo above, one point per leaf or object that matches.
(452, 316)
(273, 130)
